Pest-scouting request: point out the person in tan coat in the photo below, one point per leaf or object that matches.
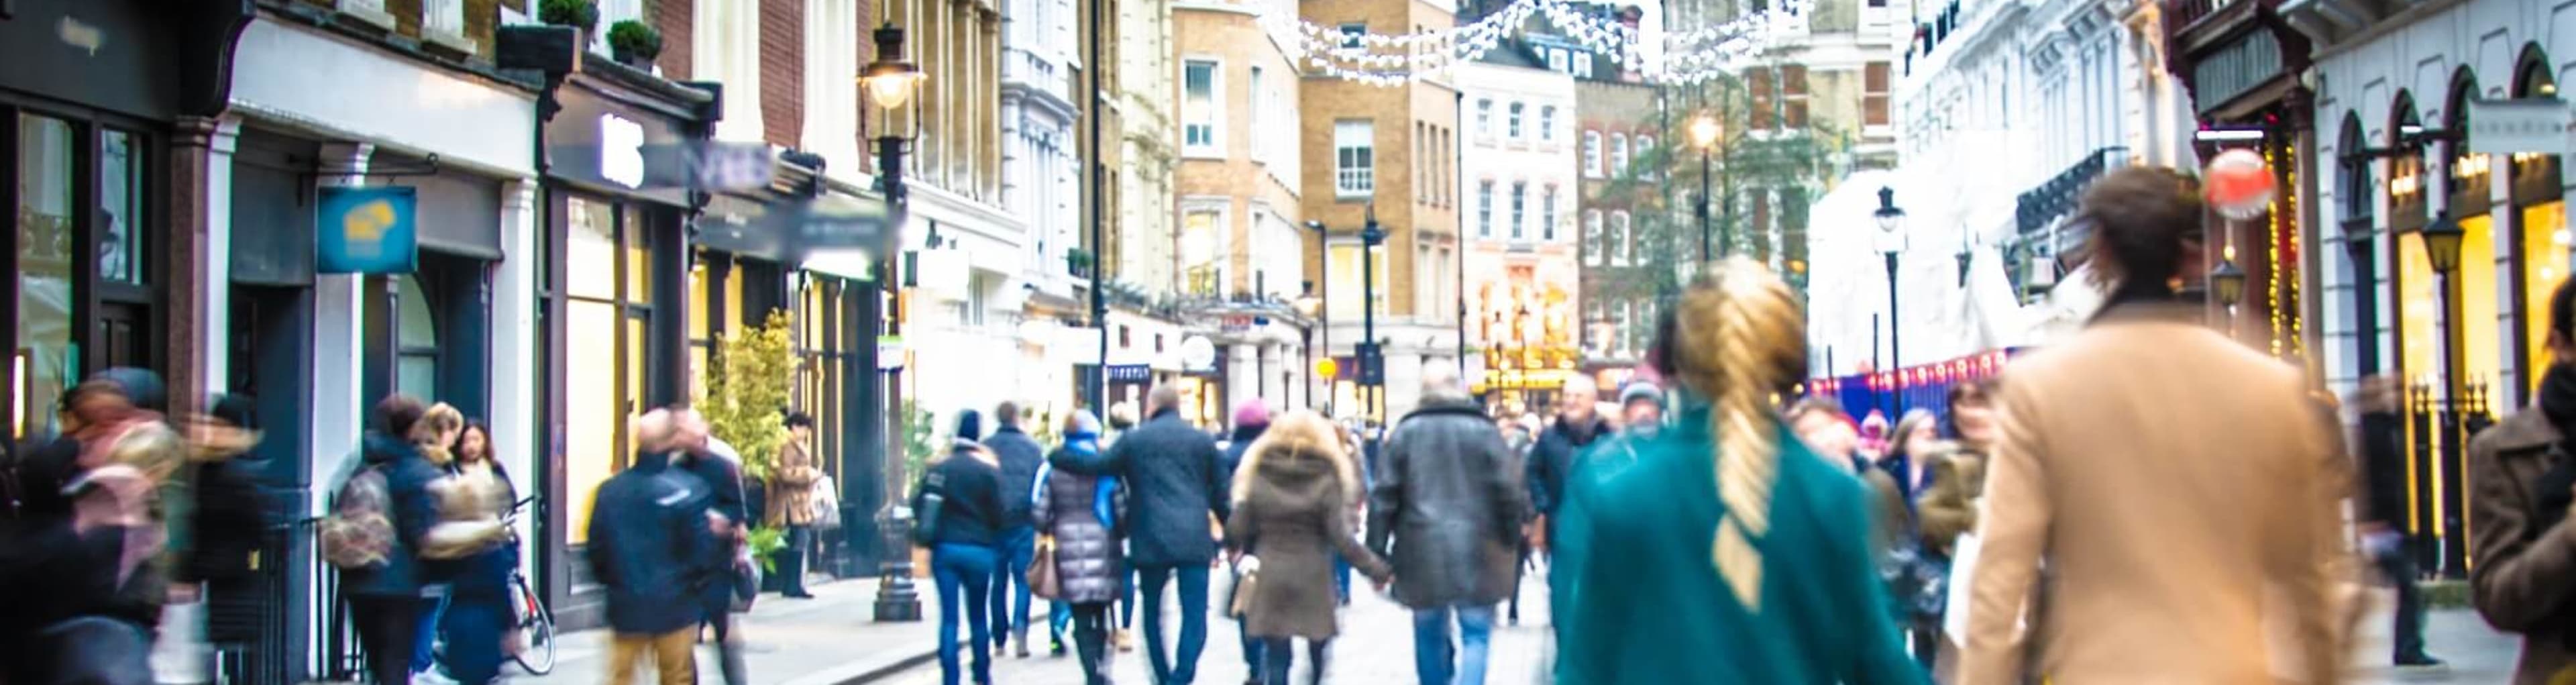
(791, 502)
(2180, 485)
(2522, 550)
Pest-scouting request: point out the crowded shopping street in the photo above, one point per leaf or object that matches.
(1452, 342)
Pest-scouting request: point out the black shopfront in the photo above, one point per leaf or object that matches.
(611, 290)
(93, 94)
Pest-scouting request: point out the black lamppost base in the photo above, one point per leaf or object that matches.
(897, 600)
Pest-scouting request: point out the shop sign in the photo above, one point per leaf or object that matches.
(890, 353)
(621, 150)
(1198, 354)
(2529, 125)
(1130, 373)
(366, 230)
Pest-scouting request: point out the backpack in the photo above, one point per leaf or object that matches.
(359, 533)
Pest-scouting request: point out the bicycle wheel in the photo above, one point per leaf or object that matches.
(537, 633)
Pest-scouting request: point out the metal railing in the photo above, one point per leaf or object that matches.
(2442, 428)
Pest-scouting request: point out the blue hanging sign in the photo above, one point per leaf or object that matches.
(366, 230)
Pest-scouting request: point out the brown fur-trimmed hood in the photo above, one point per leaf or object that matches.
(1300, 454)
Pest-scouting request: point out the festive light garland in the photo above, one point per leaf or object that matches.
(1390, 60)
(2272, 253)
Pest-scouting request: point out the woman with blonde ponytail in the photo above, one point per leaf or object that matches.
(1726, 552)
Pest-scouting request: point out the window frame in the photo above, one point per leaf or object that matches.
(1512, 129)
(1213, 111)
(1354, 166)
(1592, 153)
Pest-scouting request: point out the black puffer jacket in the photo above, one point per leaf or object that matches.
(1020, 456)
(1174, 478)
(1449, 494)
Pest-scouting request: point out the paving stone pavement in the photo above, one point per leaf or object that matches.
(1376, 646)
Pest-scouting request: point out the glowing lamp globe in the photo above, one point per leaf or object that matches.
(2239, 185)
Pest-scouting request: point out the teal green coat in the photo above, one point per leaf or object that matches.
(1641, 600)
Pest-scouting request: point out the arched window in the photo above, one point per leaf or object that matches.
(416, 353)
(2406, 182)
(2467, 175)
(1621, 249)
(1593, 246)
(2358, 192)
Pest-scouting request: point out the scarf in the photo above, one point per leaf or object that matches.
(2558, 398)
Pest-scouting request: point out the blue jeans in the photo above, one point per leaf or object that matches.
(1059, 618)
(1194, 601)
(1019, 547)
(964, 574)
(425, 641)
(1440, 662)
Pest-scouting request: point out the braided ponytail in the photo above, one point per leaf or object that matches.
(1736, 340)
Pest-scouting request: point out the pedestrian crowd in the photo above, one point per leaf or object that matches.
(2146, 500)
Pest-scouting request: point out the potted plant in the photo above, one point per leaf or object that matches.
(579, 14)
(634, 44)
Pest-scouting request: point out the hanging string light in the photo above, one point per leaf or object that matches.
(1389, 60)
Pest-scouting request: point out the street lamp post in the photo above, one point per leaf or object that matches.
(890, 82)
(1372, 360)
(2442, 247)
(1891, 244)
(1704, 133)
(1324, 309)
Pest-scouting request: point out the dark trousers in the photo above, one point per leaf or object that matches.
(1010, 579)
(1255, 649)
(386, 628)
(473, 624)
(1181, 667)
(2399, 567)
(791, 561)
(89, 650)
(1281, 655)
(1925, 635)
(1127, 598)
(1091, 640)
(718, 607)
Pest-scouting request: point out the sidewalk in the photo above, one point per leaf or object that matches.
(827, 640)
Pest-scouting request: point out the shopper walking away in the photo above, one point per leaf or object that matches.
(960, 502)
(1291, 516)
(1948, 507)
(792, 490)
(1019, 456)
(649, 546)
(2242, 520)
(1450, 500)
(1076, 509)
(1175, 481)
(2522, 548)
(1728, 552)
(1251, 419)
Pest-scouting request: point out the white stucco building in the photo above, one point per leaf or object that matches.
(1517, 164)
(2006, 110)
(2399, 145)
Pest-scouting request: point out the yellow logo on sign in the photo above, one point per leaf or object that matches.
(365, 226)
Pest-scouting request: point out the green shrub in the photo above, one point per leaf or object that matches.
(580, 14)
(635, 39)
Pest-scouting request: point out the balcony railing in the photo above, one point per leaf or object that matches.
(1031, 70)
(2180, 15)
(2057, 196)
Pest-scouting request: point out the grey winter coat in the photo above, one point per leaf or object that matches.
(1449, 493)
(1293, 497)
(1087, 560)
